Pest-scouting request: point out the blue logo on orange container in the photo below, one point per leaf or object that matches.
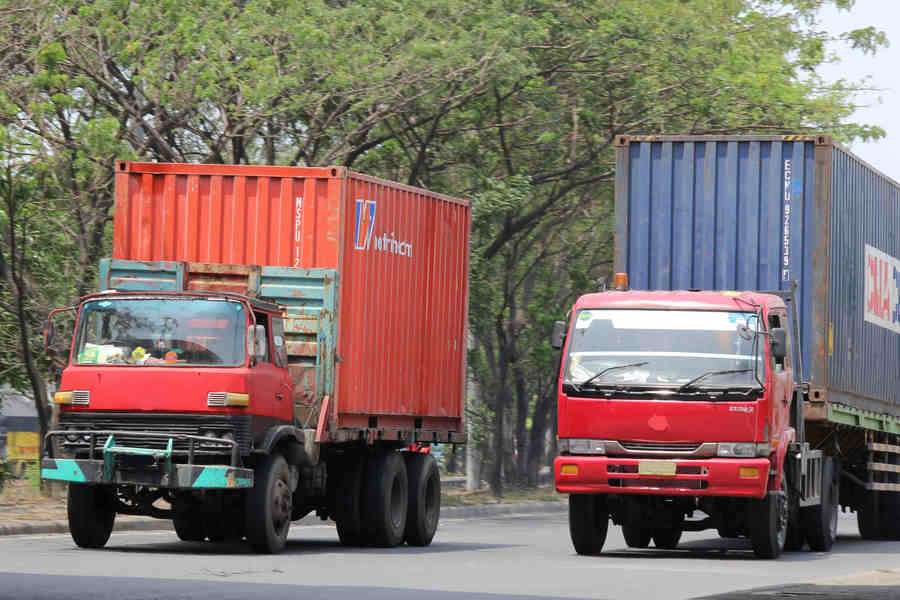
(365, 223)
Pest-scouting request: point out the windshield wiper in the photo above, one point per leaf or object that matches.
(691, 383)
(596, 376)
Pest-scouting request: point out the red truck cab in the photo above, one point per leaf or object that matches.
(673, 403)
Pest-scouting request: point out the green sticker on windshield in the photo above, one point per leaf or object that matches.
(89, 355)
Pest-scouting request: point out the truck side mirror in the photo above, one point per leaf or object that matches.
(50, 334)
(256, 342)
(779, 343)
(558, 337)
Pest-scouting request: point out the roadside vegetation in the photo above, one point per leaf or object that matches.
(515, 105)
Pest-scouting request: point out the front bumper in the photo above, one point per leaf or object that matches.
(154, 467)
(163, 476)
(692, 477)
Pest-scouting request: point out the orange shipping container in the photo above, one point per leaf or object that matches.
(400, 253)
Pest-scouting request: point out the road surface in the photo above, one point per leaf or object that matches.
(490, 558)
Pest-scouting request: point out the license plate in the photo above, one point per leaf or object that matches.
(656, 467)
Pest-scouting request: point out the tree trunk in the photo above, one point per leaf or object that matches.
(522, 442)
(536, 442)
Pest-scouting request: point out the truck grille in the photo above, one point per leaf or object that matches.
(237, 425)
(659, 447)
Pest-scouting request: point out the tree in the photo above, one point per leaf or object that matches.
(515, 104)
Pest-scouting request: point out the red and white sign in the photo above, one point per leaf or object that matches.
(882, 295)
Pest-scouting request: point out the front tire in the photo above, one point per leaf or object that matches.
(588, 523)
(424, 506)
(92, 512)
(269, 505)
(768, 523)
(189, 526)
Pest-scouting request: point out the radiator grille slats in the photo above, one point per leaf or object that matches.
(658, 447)
(238, 426)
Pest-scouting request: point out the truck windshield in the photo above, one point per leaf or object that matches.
(661, 348)
(167, 332)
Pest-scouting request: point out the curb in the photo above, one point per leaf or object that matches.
(148, 524)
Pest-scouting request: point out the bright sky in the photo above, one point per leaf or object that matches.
(884, 69)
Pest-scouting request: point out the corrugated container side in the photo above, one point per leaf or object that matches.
(401, 254)
(717, 214)
(227, 214)
(403, 294)
(863, 355)
(752, 213)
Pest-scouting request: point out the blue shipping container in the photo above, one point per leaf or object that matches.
(754, 212)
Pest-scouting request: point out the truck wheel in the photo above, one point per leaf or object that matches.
(890, 515)
(188, 530)
(189, 525)
(795, 537)
(768, 523)
(269, 505)
(636, 536)
(588, 522)
(667, 538)
(348, 506)
(868, 516)
(424, 506)
(387, 495)
(820, 521)
(92, 512)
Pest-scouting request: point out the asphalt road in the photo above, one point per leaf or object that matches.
(490, 558)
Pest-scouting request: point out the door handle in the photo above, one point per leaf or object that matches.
(279, 396)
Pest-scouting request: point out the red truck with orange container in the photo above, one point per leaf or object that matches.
(266, 342)
(686, 403)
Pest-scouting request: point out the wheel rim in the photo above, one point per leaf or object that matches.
(281, 506)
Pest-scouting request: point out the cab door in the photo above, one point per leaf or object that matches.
(268, 395)
(782, 379)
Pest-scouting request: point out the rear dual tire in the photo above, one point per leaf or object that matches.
(387, 497)
(424, 503)
(820, 521)
(349, 502)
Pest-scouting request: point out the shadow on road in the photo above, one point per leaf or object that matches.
(57, 587)
(740, 549)
(299, 547)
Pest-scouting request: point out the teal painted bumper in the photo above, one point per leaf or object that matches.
(166, 476)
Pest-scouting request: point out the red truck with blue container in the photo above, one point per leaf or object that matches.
(742, 375)
(266, 342)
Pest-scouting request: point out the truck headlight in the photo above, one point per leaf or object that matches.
(741, 449)
(582, 446)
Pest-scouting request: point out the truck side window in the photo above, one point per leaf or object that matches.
(263, 319)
